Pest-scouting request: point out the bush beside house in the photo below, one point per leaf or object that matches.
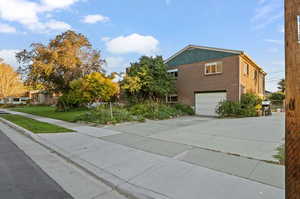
(247, 107)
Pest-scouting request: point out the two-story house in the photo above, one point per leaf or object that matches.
(205, 76)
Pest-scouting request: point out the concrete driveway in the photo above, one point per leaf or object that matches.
(163, 156)
(256, 138)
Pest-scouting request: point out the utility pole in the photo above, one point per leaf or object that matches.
(292, 64)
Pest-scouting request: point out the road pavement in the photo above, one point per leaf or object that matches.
(21, 178)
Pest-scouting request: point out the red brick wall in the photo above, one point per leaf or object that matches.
(192, 78)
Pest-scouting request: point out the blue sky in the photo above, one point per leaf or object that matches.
(126, 29)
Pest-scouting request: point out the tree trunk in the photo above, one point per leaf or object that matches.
(292, 50)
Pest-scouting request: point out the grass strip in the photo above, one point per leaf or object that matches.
(34, 125)
(49, 111)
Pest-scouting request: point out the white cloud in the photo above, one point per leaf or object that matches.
(91, 19)
(115, 62)
(9, 56)
(22, 11)
(105, 39)
(27, 13)
(133, 43)
(56, 4)
(5, 28)
(57, 25)
(274, 41)
(49, 26)
(267, 13)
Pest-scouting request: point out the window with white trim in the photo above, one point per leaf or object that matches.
(174, 73)
(213, 68)
(172, 99)
(246, 69)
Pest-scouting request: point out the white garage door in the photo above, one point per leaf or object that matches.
(206, 103)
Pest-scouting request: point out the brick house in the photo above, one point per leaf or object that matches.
(205, 76)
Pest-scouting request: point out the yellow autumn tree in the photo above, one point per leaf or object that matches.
(10, 81)
(95, 86)
(67, 57)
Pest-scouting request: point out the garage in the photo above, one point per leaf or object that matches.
(206, 103)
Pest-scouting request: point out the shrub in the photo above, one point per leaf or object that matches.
(250, 100)
(246, 108)
(138, 112)
(155, 110)
(185, 109)
(102, 115)
(229, 109)
(152, 110)
(68, 101)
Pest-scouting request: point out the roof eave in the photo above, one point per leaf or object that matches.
(238, 52)
(251, 60)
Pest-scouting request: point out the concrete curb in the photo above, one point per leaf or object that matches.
(120, 185)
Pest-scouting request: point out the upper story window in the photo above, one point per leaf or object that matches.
(255, 74)
(174, 72)
(213, 68)
(246, 69)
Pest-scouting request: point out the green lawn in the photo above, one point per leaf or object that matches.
(34, 125)
(49, 111)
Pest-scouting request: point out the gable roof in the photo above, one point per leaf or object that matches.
(192, 53)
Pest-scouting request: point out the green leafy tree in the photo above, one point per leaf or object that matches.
(281, 85)
(67, 57)
(250, 100)
(148, 79)
(277, 97)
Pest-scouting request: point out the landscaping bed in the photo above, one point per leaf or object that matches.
(103, 114)
(34, 125)
(138, 112)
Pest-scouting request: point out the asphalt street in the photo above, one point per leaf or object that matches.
(21, 178)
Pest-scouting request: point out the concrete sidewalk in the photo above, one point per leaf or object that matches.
(162, 169)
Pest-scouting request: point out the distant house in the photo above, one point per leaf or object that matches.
(32, 97)
(205, 76)
(14, 100)
(42, 97)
